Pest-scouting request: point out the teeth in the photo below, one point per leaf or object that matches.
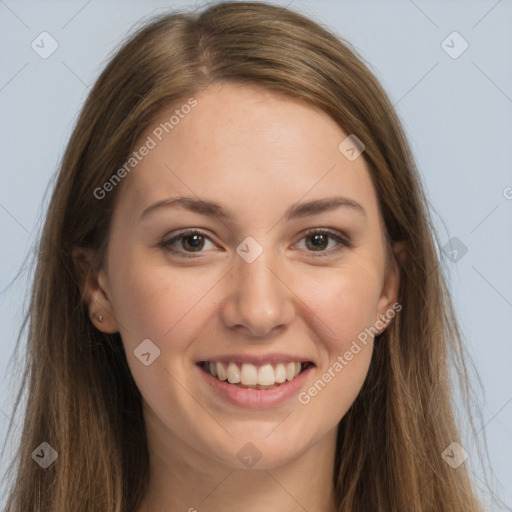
(248, 374)
(266, 375)
(290, 371)
(280, 373)
(221, 373)
(233, 373)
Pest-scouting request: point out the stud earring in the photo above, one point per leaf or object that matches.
(99, 317)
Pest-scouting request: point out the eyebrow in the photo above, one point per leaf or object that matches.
(213, 209)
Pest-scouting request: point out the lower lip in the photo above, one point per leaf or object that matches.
(256, 397)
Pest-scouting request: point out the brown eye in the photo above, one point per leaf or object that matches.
(317, 241)
(192, 242)
(320, 242)
(187, 243)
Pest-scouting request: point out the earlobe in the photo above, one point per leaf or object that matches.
(94, 290)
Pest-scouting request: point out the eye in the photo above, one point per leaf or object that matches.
(323, 242)
(187, 242)
(193, 242)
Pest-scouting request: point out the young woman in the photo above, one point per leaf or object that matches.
(238, 302)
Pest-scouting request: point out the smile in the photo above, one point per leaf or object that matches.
(250, 376)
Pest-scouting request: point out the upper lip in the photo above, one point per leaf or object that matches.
(257, 359)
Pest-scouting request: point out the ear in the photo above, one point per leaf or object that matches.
(388, 306)
(94, 288)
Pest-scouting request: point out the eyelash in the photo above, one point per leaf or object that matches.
(342, 242)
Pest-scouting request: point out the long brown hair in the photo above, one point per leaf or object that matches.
(82, 399)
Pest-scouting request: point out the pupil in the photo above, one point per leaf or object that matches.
(193, 242)
(318, 241)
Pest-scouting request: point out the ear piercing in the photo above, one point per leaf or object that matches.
(99, 317)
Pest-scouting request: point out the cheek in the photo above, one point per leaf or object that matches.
(345, 302)
(160, 303)
(170, 308)
(341, 312)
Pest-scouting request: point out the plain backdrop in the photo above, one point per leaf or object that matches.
(455, 103)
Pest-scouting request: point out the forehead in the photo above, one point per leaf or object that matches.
(246, 147)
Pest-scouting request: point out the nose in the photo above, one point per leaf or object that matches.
(258, 302)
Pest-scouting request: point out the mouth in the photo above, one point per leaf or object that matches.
(264, 376)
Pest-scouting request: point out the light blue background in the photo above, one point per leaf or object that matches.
(457, 113)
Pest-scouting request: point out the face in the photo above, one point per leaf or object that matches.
(276, 256)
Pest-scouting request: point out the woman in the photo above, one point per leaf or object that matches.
(238, 302)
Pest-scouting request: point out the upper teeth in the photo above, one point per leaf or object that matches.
(251, 375)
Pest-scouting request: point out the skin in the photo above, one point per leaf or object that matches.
(255, 153)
